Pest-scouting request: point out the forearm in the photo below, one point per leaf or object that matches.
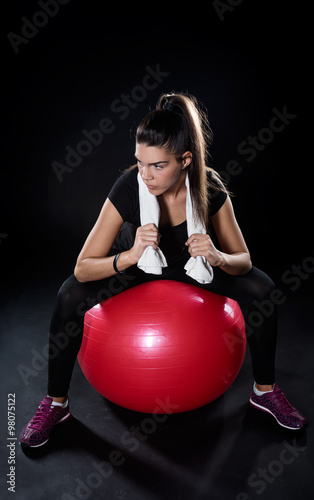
(236, 264)
(98, 268)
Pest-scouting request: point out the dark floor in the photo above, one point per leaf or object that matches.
(223, 451)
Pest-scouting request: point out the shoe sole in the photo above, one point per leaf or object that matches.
(268, 411)
(25, 445)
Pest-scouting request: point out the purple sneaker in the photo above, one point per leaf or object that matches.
(278, 406)
(37, 431)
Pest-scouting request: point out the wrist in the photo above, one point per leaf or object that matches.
(123, 261)
(223, 260)
(114, 263)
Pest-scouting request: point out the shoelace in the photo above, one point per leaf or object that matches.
(40, 416)
(282, 400)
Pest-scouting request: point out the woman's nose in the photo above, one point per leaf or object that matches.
(146, 174)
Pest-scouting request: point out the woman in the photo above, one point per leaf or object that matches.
(171, 152)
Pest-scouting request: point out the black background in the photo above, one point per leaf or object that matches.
(241, 63)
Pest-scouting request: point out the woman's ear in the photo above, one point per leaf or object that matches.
(186, 159)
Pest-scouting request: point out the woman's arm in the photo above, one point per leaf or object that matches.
(234, 258)
(93, 262)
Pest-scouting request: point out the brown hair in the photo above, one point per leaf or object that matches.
(180, 124)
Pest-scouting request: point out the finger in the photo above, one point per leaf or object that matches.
(197, 237)
(148, 239)
(193, 237)
(198, 250)
(200, 244)
(150, 235)
(150, 226)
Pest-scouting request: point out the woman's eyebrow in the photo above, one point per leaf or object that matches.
(155, 162)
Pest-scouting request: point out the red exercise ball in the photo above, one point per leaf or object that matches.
(163, 347)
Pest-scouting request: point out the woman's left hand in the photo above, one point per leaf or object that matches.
(201, 244)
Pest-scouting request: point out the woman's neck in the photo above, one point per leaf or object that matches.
(173, 206)
(176, 191)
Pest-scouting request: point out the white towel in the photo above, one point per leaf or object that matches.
(152, 261)
(196, 267)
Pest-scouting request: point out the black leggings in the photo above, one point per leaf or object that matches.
(251, 291)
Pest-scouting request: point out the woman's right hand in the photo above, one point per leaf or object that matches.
(146, 236)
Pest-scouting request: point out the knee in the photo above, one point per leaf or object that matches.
(261, 286)
(72, 299)
(265, 289)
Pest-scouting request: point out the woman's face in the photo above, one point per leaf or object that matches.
(160, 170)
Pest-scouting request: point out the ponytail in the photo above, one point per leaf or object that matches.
(179, 124)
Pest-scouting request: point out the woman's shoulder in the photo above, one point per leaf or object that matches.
(217, 191)
(124, 194)
(130, 173)
(127, 180)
